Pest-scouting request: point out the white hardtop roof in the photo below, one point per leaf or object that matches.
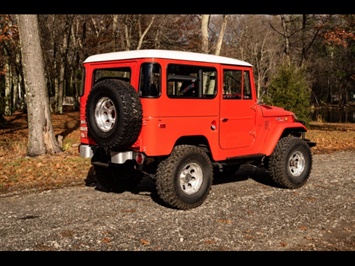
(166, 54)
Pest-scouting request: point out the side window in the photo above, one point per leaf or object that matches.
(232, 84)
(150, 80)
(236, 84)
(186, 81)
(247, 87)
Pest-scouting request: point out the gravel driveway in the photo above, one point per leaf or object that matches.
(242, 213)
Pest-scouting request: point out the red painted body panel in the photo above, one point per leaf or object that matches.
(231, 128)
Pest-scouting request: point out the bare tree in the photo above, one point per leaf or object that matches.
(41, 137)
(204, 33)
(143, 33)
(285, 21)
(249, 38)
(221, 35)
(205, 20)
(9, 66)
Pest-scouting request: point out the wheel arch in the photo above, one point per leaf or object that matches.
(275, 135)
(198, 140)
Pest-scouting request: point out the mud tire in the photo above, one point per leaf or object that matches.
(114, 114)
(291, 163)
(184, 179)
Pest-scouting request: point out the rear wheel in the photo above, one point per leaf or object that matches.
(184, 179)
(291, 162)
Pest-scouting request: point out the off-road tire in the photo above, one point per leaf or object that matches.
(291, 162)
(117, 178)
(114, 114)
(184, 179)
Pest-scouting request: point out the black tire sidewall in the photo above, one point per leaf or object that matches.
(279, 160)
(127, 125)
(168, 174)
(96, 94)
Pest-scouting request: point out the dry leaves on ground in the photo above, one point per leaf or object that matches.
(18, 172)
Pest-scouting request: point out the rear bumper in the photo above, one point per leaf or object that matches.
(86, 151)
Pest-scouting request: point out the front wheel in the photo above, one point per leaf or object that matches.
(184, 179)
(291, 163)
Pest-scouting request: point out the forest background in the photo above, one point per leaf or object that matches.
(323, 45)
(316, 49)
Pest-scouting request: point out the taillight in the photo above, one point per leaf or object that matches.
(83, 129)
(139, 158)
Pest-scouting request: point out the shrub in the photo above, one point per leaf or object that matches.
(289, 89)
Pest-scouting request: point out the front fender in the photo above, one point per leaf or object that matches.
(277, 132)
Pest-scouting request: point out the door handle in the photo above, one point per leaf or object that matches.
(224, 119)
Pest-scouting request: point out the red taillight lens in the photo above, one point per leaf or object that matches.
(83, 129)
(139, 158)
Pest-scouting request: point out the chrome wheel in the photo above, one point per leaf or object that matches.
(191, 178)
(296, 163)
(105, 114)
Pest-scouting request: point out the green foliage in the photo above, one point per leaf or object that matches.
(288, 89)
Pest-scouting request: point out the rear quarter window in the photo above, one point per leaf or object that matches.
(114, 73)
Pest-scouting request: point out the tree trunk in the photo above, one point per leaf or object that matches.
(60, 92)
(8, 90)
(204, 33)
(41, 137)
(144, 33)
(221, 35)
(284, 22)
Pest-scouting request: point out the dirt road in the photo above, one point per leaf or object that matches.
(242, 213)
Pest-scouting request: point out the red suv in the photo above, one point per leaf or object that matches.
(182, 118)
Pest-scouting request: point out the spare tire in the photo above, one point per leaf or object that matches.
(114, 114)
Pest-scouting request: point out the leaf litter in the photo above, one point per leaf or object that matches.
(19, 172)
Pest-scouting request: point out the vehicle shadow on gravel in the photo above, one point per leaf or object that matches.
(246, 172)
(146, 187)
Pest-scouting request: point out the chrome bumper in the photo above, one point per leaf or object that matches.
(87, 151)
